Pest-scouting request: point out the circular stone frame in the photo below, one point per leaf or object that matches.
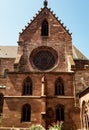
(43, 58)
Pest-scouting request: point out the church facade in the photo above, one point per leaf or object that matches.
(41, 79)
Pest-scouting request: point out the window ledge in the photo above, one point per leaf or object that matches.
(2, 86)
(34, 97)
(22, 96)
(45, 37)
(62, 96)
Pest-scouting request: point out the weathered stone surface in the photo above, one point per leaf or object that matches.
(30, 40)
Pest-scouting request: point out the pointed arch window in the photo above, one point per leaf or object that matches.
(1, 103)
(26, 113)
(59, 87)
(27, 87)
(44, 28)
(5, 73)
(50, 112)
(60, 113)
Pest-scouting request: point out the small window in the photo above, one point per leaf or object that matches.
(59, 87)
(26, 113)
(27, 87)
(1, 102)
(44, 28)
(5, 73)
(60, 113)
(0, 63)
(50, 112)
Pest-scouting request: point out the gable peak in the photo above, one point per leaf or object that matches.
(39, 12)
(45, 3)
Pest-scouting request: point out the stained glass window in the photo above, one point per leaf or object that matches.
(44, 60)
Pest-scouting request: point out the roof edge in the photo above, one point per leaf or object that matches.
(37, 14)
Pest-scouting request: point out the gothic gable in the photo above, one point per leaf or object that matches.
(45, 31)
(34, 28)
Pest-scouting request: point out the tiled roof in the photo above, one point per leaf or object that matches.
(8, 51)
(77, 54)
(11, 52)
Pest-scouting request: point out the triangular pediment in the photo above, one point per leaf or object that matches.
(45, 30)
(44, 13)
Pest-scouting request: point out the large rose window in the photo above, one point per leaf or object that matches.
(44, 58)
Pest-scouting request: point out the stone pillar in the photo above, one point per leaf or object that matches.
(43, 86)
(44, 95)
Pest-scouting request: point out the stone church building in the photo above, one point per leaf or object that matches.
(41, 78)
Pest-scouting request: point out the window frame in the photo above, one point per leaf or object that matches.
(1, 102)
(59, 87)
(27, 87)
(26, 110)
(45, 28)
(60, 116)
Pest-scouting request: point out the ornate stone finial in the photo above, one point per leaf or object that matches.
(45, 3)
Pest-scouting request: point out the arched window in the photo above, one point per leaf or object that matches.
(5, 73)
(27, 87)
(26, 113)
(1, 102)
(44, 28)
(0, 62)
(50, 112)
(59, 87)
(60, 113)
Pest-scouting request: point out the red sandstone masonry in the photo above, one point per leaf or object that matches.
(30, 39)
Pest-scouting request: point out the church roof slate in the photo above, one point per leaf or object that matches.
(11, 52)
(77, 54)
(8, 51)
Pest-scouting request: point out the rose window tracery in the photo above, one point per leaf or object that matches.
(44, 58)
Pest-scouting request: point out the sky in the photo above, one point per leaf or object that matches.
(15, 14)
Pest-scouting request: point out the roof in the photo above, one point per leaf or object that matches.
(84, 92)
(11, 52)
(77, 55)
(8, 51)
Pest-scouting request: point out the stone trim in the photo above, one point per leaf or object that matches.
(60, 97)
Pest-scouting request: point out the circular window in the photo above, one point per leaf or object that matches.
(44, 59)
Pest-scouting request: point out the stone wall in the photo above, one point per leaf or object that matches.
(6, 64)
(59, 39)
(14, 101)
(81, 80)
